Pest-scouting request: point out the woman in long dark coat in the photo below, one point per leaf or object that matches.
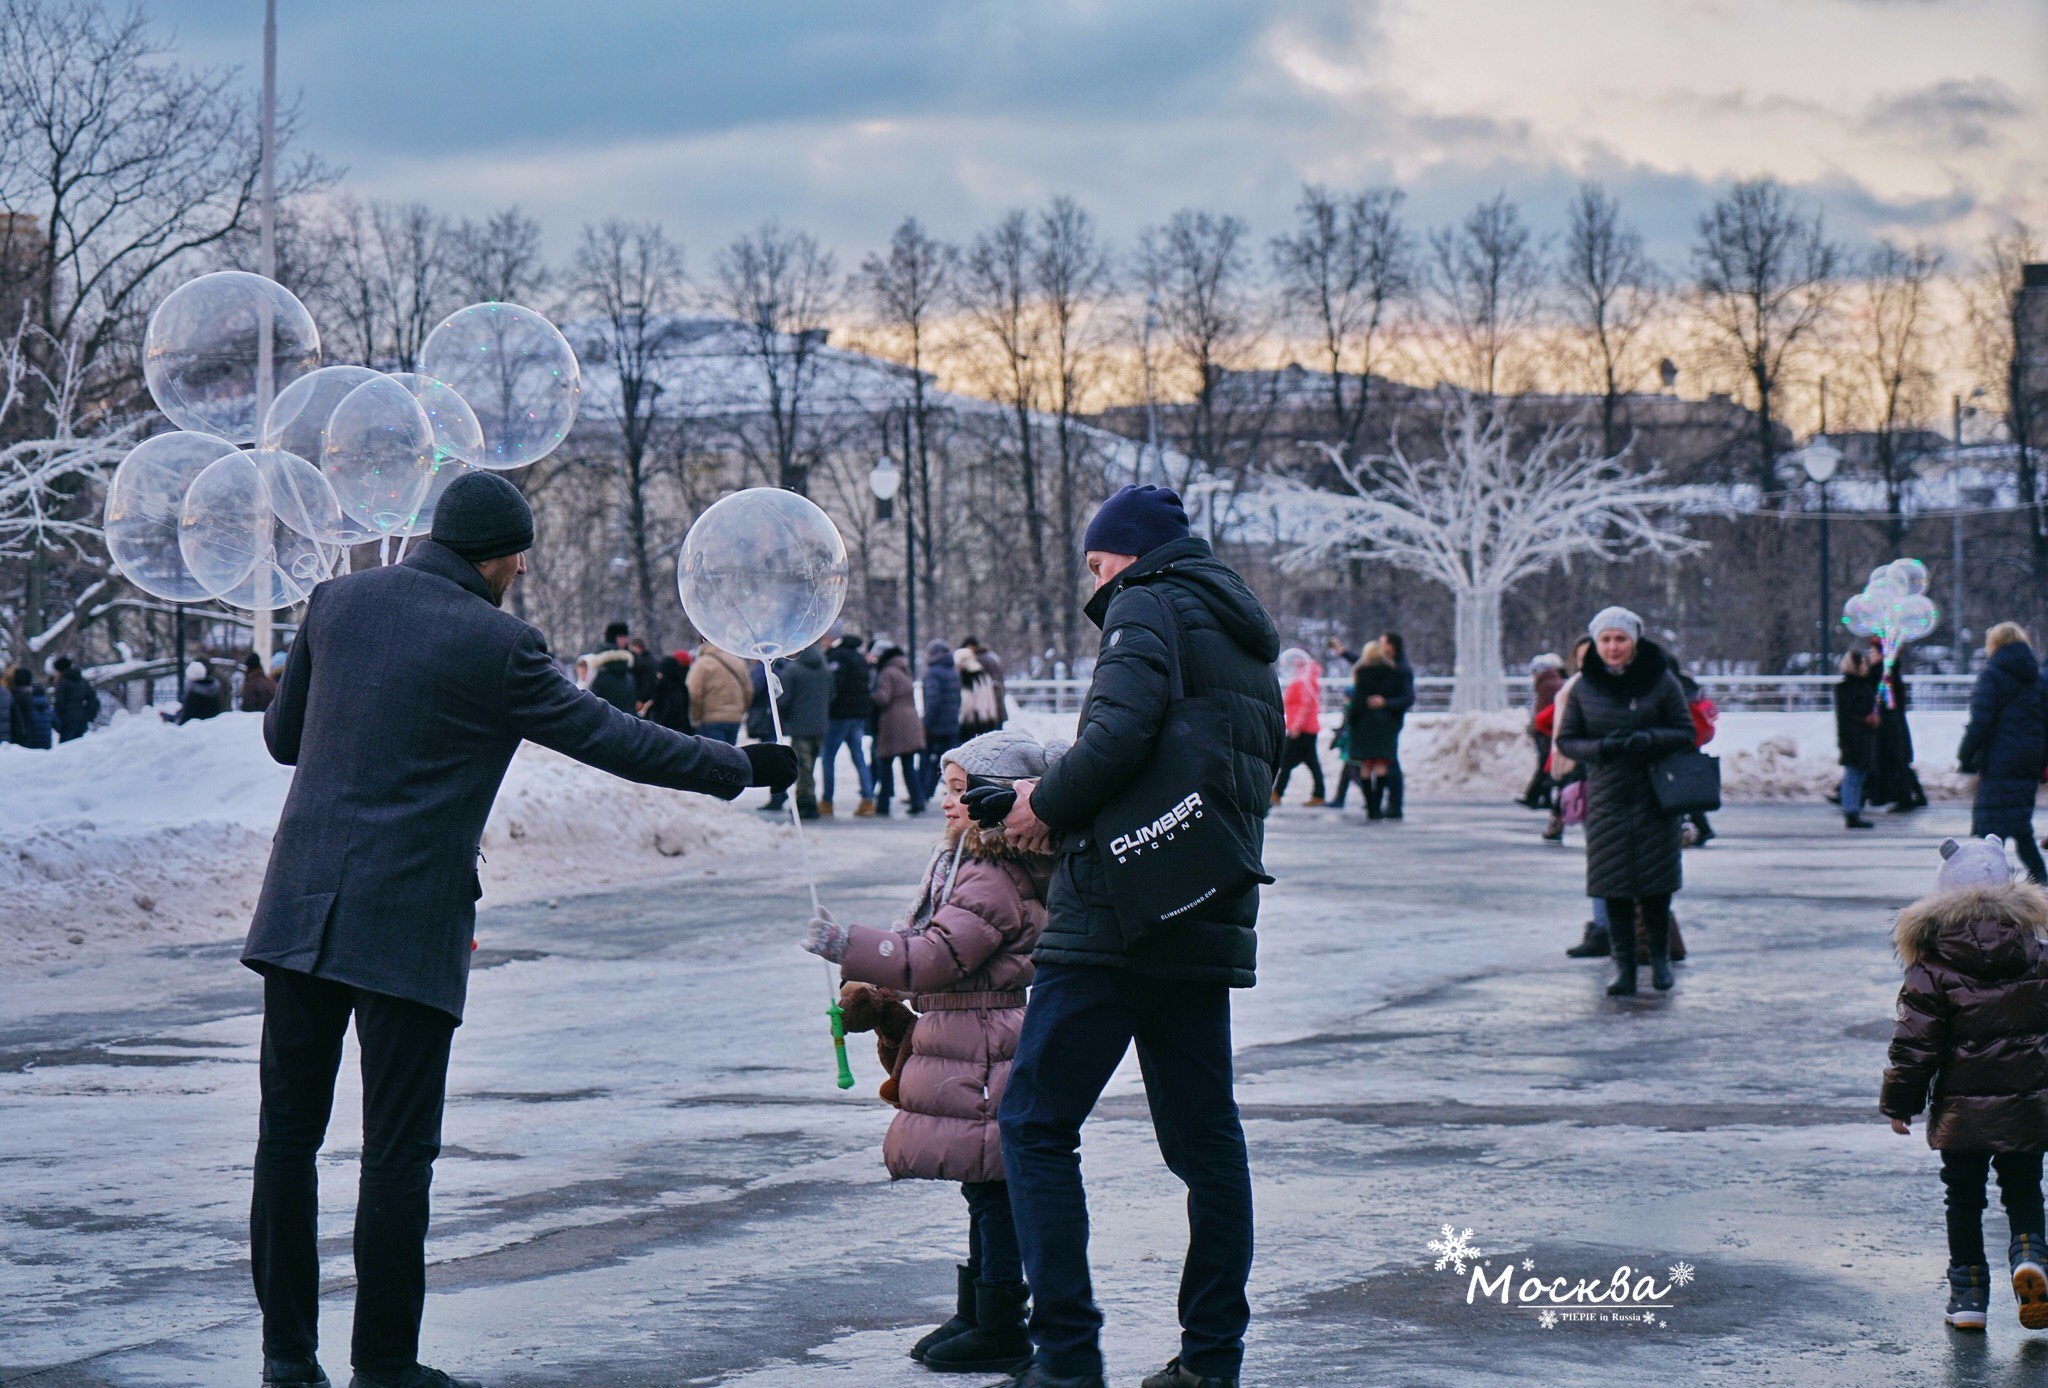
(1856, 724)
(1626, 711)
(1375, 733)
(1895, 783)
(2005, 743)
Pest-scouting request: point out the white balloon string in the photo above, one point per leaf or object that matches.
(384, 550)
(402, 547)
(803, 849)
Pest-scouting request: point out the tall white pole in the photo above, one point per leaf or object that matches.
(263, 638)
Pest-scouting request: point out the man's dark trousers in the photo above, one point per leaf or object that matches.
(1081, 1020)
(405, 1077)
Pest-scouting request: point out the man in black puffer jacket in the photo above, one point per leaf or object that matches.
(1094, 993)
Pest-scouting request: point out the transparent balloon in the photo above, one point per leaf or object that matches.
(145, 502)
(297, 422)
(379, 458)
(301, 496)
(1883, 580)
(458, 436)
(237, 546)
(516, 371)
(213, 339)
(1909, 575)
(762, 573)
(1863, 614)
(1915, 618)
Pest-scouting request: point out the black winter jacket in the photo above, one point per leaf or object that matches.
(1227, 645)
(75, 703)
(806, 694)
(1632, 846)
(1856, 700)
(853, 680)
(203, 699)
(2005, 742)
(1376, 732)
(29, 716)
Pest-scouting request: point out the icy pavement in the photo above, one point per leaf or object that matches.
(649, 1179)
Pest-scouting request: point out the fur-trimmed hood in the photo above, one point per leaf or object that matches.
(1637, 678)
(1985, 931)
(597, 660)
(992, 846)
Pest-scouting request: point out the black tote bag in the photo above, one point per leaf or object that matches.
(1169, 841)
(1686, 782)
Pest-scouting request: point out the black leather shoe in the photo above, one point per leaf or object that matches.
(418, 1376)
(1175, 1375)
(294, 1373)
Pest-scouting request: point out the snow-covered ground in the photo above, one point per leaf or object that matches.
(149, 834)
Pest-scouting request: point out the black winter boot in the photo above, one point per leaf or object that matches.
(1375, 791)
(997, 1340)
(293, 1373)
(1660, 953)
(1593, 945)
(1969, 1296)
(960, 1324)
(2029, 1280)
(418, 1376)
(1178, 1375)
(1624, 952)
(1854, 820)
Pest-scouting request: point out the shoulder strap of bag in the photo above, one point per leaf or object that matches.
(1176, 681)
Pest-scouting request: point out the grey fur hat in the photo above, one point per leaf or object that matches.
(1615, 619)
(1007, 754)
(1973, 863)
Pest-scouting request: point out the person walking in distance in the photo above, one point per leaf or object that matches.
(1856, 723)
(853, 702)
(1096, 992)
(1398, 705)
(2005, 743)
(368, 907)
(1301, 705)
(719, 689)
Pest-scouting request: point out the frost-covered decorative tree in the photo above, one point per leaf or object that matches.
(1494, 507)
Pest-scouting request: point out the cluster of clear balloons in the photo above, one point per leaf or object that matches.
(762, 573)
(278, 464)
(1893, 606)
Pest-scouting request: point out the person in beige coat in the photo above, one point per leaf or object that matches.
(720, 690)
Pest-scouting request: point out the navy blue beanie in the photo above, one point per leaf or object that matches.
(1136, 520)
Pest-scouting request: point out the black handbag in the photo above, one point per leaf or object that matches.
(1169, 840)
(1686, 782)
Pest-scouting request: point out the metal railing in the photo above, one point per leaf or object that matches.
(1750, 693)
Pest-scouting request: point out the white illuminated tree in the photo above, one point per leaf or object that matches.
(1494, 507)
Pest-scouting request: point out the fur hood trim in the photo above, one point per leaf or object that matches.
(597, 660)
(2020, 907)
(1638, 677)
(990, 846)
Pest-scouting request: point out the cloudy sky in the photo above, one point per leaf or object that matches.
(1911, 118)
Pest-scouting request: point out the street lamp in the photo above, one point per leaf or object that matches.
(885, 481)
(1820, 459)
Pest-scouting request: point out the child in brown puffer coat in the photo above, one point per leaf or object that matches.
(962, 958)
(1972, 1032)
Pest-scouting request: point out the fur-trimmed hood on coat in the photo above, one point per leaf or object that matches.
(1638, 677)
(1984, 931)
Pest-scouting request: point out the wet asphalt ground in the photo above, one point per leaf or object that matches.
(649, 1180)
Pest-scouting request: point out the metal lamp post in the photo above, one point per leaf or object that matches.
(1820, 459)
(885, 481)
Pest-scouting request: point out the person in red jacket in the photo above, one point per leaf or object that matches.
(1302, 703)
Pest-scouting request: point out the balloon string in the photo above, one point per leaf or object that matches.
(402, 547)
(803, 849)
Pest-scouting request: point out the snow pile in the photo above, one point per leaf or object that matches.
(148, 833)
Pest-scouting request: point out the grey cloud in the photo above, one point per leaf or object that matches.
(1957, 112)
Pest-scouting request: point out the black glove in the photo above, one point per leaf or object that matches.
(1612, 746)
(1639, 743)
(774, 765)
(989, 806)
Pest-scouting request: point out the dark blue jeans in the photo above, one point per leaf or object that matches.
(1080, 1021)
(991, 1235)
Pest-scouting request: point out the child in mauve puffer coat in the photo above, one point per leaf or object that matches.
(1972, 1037)
(962, 959)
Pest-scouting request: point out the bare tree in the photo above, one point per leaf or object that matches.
(908, 289)
(1611, 295)
(1764, 276)
(1070, 269)
(1342, 271)
(996, 293)
(1196, 271)
(388, 281)
(780, 287)
(1486, 514)
(630, 277)
(1485, 283)
(2000, 353)
(1891, 318)
(498, 260)
(75, 440)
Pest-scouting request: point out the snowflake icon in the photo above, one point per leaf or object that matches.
(1681, 1274)
(1454, 1250)
(1547, 1319)
(1528, 1265)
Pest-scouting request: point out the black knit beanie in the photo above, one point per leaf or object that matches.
(482, 516)
(1137, 520)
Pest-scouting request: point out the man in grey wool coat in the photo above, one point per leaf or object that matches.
(406, 694)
